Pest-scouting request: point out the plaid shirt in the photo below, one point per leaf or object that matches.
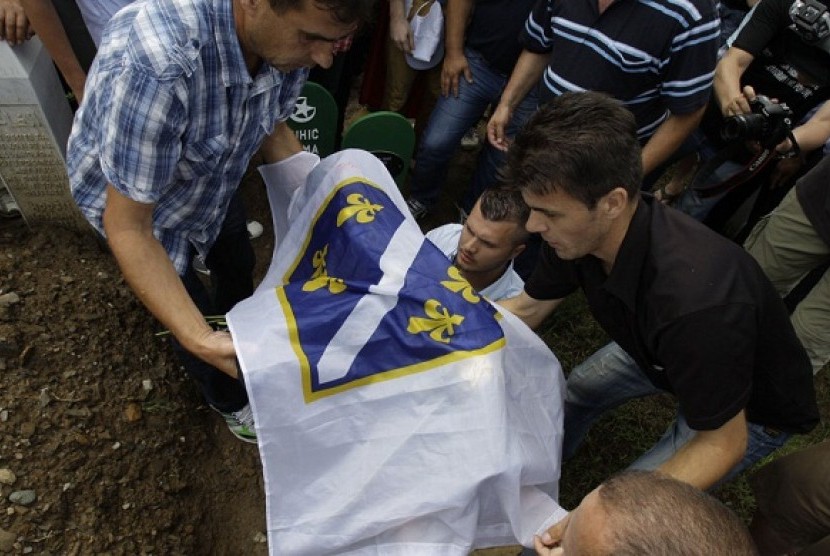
(171, 117)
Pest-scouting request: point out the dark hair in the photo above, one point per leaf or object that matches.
(584, 144)
(344, 11)
(649, 513)
(498, 204)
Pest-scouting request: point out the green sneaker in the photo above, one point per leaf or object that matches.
(241, 423)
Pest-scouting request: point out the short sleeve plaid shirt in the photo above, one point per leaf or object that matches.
(172, 117)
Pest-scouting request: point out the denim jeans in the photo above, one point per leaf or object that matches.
(231, 262)
(450, 120)
(609, 378)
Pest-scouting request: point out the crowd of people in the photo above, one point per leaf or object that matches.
(589, 102)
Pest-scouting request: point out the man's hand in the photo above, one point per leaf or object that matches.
(454, 66)
(280, 144)
(549, 543)
(216, 348)
(14, 25)
(401, 34)
(739, 104)
(496, 126)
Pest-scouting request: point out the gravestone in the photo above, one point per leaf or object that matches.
(314, 120)
(387, 135)
(35, 120)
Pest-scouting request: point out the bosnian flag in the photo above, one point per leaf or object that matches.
(397, 411)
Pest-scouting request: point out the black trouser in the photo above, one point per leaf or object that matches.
(231, 263)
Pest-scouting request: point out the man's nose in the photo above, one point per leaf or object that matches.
(321, 54)
(535, 223)
(470, 245)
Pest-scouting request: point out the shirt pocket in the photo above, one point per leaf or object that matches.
(201, 158)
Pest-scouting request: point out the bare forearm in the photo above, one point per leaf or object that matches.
(396, 10)
(457, 14)
(531, 311)
(526, 74)
(151, 275)
(727, 81)
(281, 144)
(709, 455)
(47, 24)
(149, 272)
(668, 138)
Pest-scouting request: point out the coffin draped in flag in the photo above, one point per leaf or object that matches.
(397, 411)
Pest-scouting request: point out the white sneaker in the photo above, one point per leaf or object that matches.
(470, 139)
(200, 266)
(240, 423)
(8, 206)
(255, 229)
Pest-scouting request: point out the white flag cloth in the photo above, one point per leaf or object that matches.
(396, 411)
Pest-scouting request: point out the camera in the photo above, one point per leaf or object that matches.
(811, 20)
(769, 123)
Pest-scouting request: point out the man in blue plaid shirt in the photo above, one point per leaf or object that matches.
(181, 96)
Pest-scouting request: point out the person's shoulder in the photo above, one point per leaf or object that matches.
(686, 12)
(445, 237)
(161, 37)
(769, 12)
(687, 256)
(444, 231)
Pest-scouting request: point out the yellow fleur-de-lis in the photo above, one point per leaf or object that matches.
(318, 261)
(335, 285)
(458, 283)
(320, 278)
(361, 207)
(438, 322)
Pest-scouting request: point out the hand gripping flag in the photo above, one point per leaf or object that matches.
(397, 411)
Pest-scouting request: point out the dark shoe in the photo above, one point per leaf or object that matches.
(417, 208)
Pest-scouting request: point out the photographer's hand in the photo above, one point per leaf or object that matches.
(810, 136)
(740, 104)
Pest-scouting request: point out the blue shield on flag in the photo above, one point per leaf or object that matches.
(337, 290)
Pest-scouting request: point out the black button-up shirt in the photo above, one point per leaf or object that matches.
(698, 316)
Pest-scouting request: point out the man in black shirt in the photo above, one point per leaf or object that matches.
(690, 313)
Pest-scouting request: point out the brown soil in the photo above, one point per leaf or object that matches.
(97, 417)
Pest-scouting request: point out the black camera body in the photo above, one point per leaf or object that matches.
(769, 123)
(811, 20)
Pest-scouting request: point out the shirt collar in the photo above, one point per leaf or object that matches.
(233, 68)
(624, 280)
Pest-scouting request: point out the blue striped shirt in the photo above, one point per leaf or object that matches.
(653, 55)
(171, 117)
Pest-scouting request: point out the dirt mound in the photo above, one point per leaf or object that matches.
(98, 423)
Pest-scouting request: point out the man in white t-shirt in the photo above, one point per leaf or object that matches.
(483, 248)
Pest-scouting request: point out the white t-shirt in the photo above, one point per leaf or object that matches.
(97, 13)
(509, 284)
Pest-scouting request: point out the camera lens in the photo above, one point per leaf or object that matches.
(744, 126)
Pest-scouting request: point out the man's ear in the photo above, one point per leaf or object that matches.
(518, 250)
(249, 5)
(614, 202)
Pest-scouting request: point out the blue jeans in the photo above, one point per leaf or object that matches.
(231, 262)
(611, 377)
(450, 120)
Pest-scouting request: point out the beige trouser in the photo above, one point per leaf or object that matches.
(787, 247)
(399, 79)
